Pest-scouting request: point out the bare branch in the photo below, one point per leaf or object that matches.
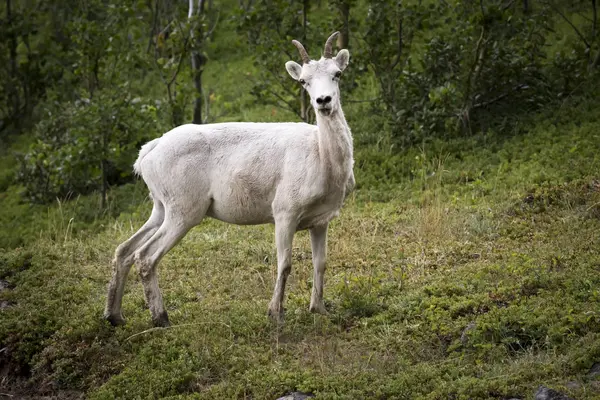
(162, 32)
(277, 78)
(585, 17)
(212, 29)
(362, 101)
(474, 67)
(500, 97)
(473, 76)
(154, 23)
(163, 329)
(508, 5)
(246, 5)
(587, 44)
(399, 38)
(183, 52)
(286, 105)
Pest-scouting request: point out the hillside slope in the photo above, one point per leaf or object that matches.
(477, 279)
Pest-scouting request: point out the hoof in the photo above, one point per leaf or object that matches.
(115, 320)
(276, 315)
(318, 309)
(162, 321)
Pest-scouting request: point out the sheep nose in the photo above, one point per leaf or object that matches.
(323, 100)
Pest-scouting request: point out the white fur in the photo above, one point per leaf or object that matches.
(295, 175)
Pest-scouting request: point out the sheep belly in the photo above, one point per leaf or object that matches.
(242, 201)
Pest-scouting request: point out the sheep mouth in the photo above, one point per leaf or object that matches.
(325, 111)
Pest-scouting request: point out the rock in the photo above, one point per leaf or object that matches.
(573, 385)
(544, 393)
(464, 337)
(296, 396)
(529, 199)
(4, 304)
(594, 371)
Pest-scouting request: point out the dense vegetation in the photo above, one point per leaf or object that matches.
(465, 265)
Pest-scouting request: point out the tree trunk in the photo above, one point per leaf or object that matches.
(197, 59)
(154, 10)
(103, 166)
(197, 62)
(594, 19)
(304, 104)
(596, 61)
(12, 43)
(344, 37)
(303, 110)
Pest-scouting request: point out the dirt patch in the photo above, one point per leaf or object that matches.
(17, 387)
(3, 287)
(64, 395)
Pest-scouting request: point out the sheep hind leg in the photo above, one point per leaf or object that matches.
(123, 261)
(173, 229)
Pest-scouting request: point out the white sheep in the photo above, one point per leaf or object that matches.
(295, 175)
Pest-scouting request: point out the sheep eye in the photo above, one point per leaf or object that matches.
(302, 81)
(338, 74)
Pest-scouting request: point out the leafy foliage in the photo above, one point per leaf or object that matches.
(269, 27)
(85, 144)
(92, 124)
(428, 70)
(479, 66)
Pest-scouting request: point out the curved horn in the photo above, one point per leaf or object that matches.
(302, 50)
(329, 44)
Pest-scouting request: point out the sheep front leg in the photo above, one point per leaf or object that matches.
(284, 236)
(318, 241)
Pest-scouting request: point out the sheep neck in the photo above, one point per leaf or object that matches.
(335, 145)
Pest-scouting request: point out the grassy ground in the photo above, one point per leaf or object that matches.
(466, 269)
(478, 278)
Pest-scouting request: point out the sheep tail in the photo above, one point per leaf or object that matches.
(147, 148)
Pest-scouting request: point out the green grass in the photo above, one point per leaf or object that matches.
(473, 272)
(461, 269)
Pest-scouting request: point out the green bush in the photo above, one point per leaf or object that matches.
(84, 145)
(483, 66)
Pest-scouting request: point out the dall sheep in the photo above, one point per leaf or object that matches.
(294, 175)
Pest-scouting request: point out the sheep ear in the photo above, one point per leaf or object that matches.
(342, 59)
(294, 69)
